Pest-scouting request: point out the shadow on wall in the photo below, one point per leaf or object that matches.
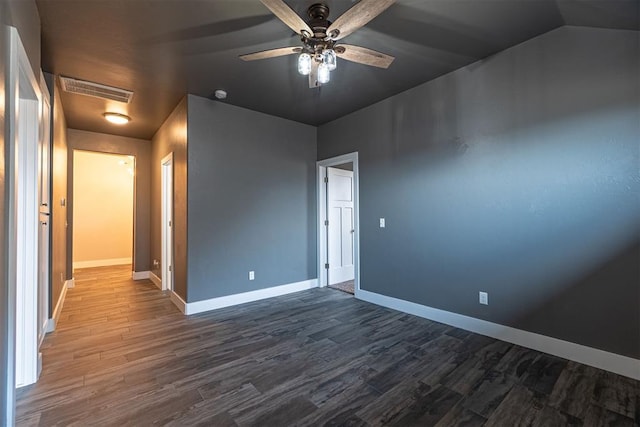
(608, 292)
(527, 219)
(541, 210)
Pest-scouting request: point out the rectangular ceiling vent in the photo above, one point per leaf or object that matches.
(96, 90)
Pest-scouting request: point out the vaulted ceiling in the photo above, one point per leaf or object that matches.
(163, 49)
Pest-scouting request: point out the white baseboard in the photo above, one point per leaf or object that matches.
(178, 301)
(156, 280)
(50, 326)
(627, 366)
(140, 275)
(60, 303)
(47, 326)
(101, 262)
(230, 300)
(39, 371)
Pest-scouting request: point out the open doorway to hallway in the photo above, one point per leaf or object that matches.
(103, 209)
(338, 214)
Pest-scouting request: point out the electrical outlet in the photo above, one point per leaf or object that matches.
(382, 223)
(483, 298)
(156, 263)
(252, 275)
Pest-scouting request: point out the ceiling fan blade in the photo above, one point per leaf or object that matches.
(271, 53)
(357, 17)
(362, 55)
(288, 16)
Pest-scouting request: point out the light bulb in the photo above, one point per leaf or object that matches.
(329, 58)
(324, 75)
(304, 64)
(117, 118)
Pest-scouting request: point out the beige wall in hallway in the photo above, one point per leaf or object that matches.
(102, 209)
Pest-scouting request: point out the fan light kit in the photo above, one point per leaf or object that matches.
(319, 53)
(117, 118)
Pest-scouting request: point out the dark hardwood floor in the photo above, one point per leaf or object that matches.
(124, 355)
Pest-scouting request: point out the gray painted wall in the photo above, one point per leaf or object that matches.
(251, 200)
(542, 210)
(113, 144)
(23, 14)
(59, 271)
(171, 138)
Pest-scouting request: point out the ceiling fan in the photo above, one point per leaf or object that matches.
(320, 48)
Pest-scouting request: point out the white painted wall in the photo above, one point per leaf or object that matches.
(102, 209)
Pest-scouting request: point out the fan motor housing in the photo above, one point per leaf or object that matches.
(318, 13)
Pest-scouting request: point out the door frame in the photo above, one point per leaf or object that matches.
(166, 200)
(71, 203)
(321, 171)
(24, 118)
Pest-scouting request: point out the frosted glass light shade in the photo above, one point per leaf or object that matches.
(117, 118)
(329, 58)
(304, 64)
(324, 74)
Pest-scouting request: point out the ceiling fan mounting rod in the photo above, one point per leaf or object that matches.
(318, 14)
(318, 11)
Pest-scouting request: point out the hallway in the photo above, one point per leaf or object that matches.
(97, 347)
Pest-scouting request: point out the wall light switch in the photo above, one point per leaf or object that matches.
(484, 298)
(382, 223)
(252, 275)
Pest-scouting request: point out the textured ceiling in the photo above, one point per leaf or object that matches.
(163, 49)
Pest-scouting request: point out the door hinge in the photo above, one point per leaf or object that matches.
(326, 266)
(169, 223)
(326, 179)
(170, 268)
(326, 222)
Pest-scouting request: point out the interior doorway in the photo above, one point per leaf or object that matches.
(103, 209)
(338, 214)
(26, 123)
(167, 223)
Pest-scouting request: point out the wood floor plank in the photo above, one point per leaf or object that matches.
(122, 355)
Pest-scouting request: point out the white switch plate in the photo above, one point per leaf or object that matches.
(382, 223)
(483, 298)
(252, 275)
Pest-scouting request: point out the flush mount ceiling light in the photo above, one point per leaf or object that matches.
(320, 38)
(117, 118)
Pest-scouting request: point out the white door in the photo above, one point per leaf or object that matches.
(167, 223)
(44, 156)
(43, 277)
(340, 230)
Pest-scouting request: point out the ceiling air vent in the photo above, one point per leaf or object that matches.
(96, 90)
